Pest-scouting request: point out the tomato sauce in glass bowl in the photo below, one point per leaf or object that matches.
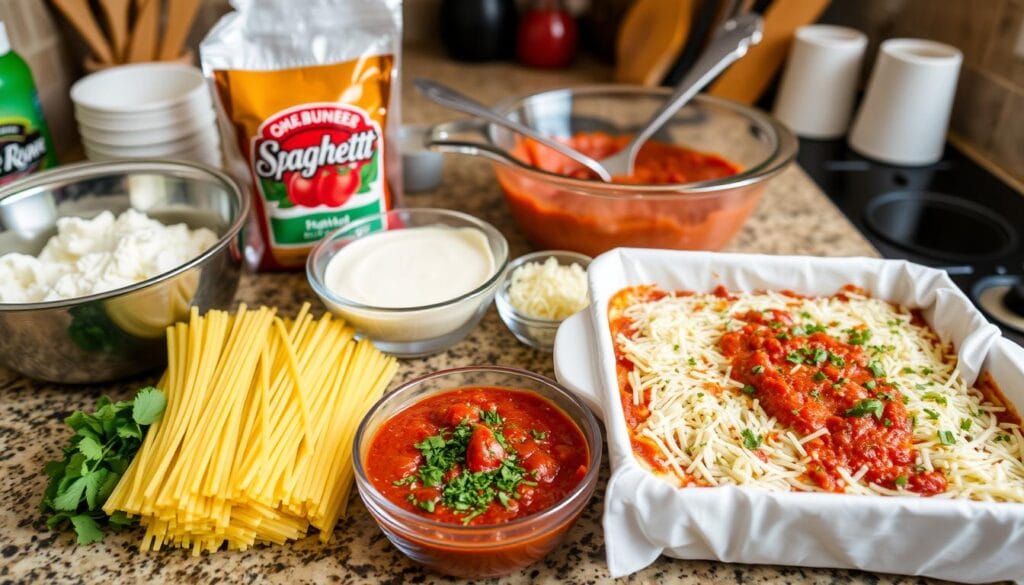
(480, 455)
(477, 472)
(695, 186)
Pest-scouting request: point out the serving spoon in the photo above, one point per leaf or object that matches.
(731, 42)
(449, 98)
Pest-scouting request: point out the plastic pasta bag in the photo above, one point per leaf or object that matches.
(308, 99)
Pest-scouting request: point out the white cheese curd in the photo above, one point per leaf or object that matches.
(90, 256)
(548, 290)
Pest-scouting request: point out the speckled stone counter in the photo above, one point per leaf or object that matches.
(793, 218)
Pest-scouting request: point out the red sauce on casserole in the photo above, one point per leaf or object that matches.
(809, 380)
(478, 456)
(556, 217)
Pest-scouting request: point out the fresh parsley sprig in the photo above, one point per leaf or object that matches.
(94, 461)
(467, 492)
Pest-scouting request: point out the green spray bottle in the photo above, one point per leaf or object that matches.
(25, 143)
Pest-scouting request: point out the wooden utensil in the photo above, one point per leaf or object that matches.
(77, 12)
(116, 14)
(179, 18)
(747, 79)
(650, 40)
(143, 42)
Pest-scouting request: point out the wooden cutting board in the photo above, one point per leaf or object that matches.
(747, 79)
(650, 40)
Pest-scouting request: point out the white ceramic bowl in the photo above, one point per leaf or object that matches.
(143, 137)
(143, 87)
(214, 159)
(185, 113)
(206, 156)
(209, 140)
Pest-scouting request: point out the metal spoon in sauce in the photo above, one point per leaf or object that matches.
(449, 98)
(731, 42)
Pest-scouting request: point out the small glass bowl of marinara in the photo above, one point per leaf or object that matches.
(477, 471)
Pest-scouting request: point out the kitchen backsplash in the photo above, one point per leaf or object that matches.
(989, 112)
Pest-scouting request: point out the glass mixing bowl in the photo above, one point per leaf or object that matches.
(590, 216)
(409, 331)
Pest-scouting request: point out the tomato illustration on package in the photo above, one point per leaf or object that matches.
(313, 161)
(308, 125)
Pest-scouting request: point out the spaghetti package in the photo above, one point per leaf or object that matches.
(308, 95)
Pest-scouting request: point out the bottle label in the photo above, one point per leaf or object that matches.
(23, 149)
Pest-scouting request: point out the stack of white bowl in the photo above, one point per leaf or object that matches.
(147, 110)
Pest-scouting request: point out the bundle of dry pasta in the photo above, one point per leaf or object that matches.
(256, 442)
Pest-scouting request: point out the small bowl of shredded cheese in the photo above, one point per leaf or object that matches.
(540, 291)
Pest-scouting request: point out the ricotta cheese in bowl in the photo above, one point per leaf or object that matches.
(415, 281)
(104, 253)
(412, 267)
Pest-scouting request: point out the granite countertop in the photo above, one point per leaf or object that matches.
(793, 218)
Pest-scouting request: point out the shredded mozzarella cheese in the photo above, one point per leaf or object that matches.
(710, 432)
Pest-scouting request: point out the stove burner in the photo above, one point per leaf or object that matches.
(1002, 297)
(1014, 299)
(940, 226)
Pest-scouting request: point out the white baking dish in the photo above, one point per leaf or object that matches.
(646, 516)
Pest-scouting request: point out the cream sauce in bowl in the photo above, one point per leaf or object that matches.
(413, 267)
(414, 290)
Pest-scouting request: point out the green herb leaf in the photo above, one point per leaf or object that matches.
(750, 440)
(819, 356)
(931, 414)
(819, 376)
(149, 405)
(858, 336)
(757, 370)
(68, 498)
(900, 481)
(934, 397)
(87, 529)
(871, 384)
(492, 418)
(101, 449)
(836, 360)
(965, 424)
(876, 369)
(795, 357)
(538, 435)
(748, 389)
(868, 406)
(947, 438)
(91, 449)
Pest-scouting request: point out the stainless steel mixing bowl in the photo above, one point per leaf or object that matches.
(118, 333)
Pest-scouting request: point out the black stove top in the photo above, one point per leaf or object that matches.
(953, 215)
